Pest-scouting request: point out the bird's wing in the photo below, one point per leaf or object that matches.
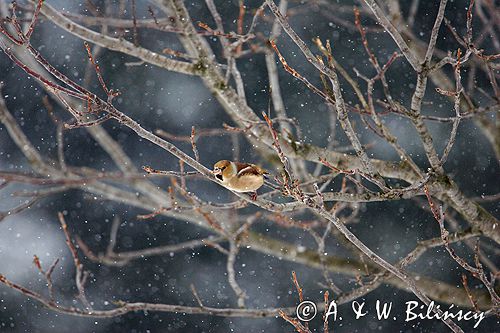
(248, 169)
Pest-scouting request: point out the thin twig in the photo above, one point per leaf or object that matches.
(193, 144)
(81, 274)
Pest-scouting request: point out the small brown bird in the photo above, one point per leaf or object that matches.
(240, 177)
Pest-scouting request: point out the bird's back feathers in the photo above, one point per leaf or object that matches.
(249, 169)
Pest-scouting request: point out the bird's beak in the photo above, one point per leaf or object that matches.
(218, 174)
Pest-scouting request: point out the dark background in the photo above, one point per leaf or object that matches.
(174, 102)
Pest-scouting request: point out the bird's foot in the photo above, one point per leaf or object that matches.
(253, 196)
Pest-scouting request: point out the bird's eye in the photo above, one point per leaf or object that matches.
(223, 168)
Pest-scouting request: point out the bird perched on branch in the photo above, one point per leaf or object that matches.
(240, 177)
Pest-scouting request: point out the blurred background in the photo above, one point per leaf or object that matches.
(173, 102)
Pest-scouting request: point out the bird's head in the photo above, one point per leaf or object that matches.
(223, 170)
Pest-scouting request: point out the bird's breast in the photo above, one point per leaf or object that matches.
(248, 183)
